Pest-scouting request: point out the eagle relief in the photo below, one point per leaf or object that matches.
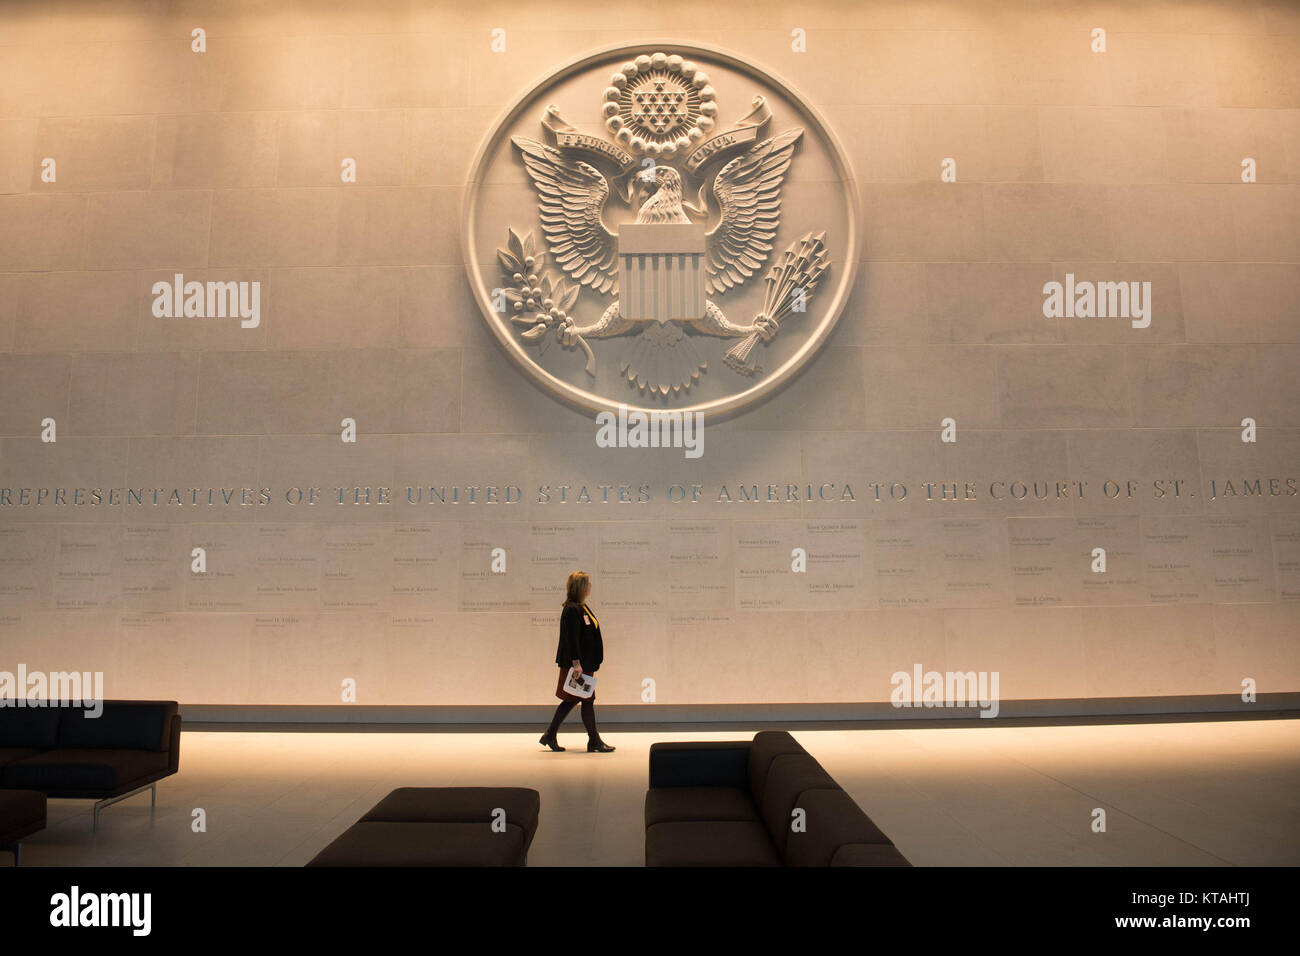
(689, 264)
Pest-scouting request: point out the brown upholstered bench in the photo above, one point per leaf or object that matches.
(439, 826)
(731, 803)
(22, 813)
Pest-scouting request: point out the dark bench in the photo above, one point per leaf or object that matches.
(22, 813)
(732, 803)
(63, 752)
(439, 826)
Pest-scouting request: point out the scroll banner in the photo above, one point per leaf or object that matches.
(746, 131)
(743, 133)
(566, 136)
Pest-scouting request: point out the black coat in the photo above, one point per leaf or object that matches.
(579, 639)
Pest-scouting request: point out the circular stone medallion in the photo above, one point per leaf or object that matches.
(663, 226)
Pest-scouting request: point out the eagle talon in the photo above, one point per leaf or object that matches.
(566, 332)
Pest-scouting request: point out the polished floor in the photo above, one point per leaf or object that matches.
(1177, 794)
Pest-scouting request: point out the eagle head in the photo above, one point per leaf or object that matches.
(665, 205)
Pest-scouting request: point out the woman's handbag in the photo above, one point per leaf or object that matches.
(575, 688)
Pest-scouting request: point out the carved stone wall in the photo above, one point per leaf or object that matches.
(996, 152)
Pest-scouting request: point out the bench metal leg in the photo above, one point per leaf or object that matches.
(101, 804)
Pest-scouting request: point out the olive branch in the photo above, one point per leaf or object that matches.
(537, 303)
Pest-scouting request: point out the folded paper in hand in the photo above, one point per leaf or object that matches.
(583, 686)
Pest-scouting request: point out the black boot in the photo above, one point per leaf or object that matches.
(597, 746)
(548, 737)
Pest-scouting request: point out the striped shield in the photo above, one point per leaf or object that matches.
(661, 271)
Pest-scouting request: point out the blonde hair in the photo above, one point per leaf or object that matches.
(576, 588)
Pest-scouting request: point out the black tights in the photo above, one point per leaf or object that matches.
(588, 717)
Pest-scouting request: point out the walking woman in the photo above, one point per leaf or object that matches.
(580, 648)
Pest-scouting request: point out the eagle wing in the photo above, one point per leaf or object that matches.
(572, 197)
(748, 191)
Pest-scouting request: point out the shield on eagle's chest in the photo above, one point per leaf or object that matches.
(661, 271)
